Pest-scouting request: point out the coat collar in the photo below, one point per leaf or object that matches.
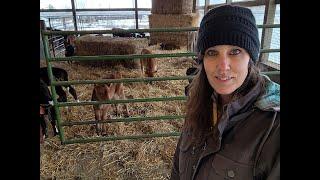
(236, 107)
(270, 100)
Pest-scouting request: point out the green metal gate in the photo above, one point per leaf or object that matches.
(54, 83)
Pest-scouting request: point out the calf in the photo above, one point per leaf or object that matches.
(69, 45)
(190, 71)
(46, 109)
(119, 93)
(104, 92)
(121, 34)
(59, 74)
(69, 51)
(168, 46)
(140, 35)
(148, 65)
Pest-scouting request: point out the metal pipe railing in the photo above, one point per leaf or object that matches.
(137, 56)
(85, 103)
(58, 47)
(59, 39)
(173, 29)
(130, 80)
(113, 138)
(131, 119)
(123, 80)
(116, 57)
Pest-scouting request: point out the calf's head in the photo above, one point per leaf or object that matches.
(104, 91)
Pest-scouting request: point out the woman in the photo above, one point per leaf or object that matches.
(232, 127)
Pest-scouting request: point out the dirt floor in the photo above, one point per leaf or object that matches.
(123, 159)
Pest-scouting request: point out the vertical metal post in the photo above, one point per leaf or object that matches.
(52, 45)
(206, 4)
(42, 27)
(266, 36)
(53, 89)
(50, 23)
(74, 16)
(136, 13)
(64, 23)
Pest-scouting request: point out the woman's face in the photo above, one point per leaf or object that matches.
(226, 67)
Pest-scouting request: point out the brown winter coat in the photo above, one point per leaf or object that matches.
(244, 145)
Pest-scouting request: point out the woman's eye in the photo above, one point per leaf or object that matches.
(211, 53)
(235, 51)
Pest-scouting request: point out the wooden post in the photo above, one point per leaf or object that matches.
(194, 6)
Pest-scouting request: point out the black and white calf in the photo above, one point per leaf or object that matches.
(59, 75)
(46, 108)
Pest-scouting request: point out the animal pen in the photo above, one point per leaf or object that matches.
(137, 147)
(83, 154)
(125, 159)
(62, 123)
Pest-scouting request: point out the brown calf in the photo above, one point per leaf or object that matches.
(103, 92)
(119, 93)
(169, 46)
(148, 65)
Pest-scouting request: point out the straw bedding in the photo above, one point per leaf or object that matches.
(123, 159)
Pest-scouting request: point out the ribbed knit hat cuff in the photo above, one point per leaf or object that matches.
(229, 38)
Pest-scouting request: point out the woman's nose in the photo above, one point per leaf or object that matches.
(223, 63)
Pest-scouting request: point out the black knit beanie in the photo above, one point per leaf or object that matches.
(229, 25)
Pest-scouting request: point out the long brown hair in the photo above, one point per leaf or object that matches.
(199, 103)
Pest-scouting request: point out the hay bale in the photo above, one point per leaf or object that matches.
(172, 6)
(167, 21)
(91, 45)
